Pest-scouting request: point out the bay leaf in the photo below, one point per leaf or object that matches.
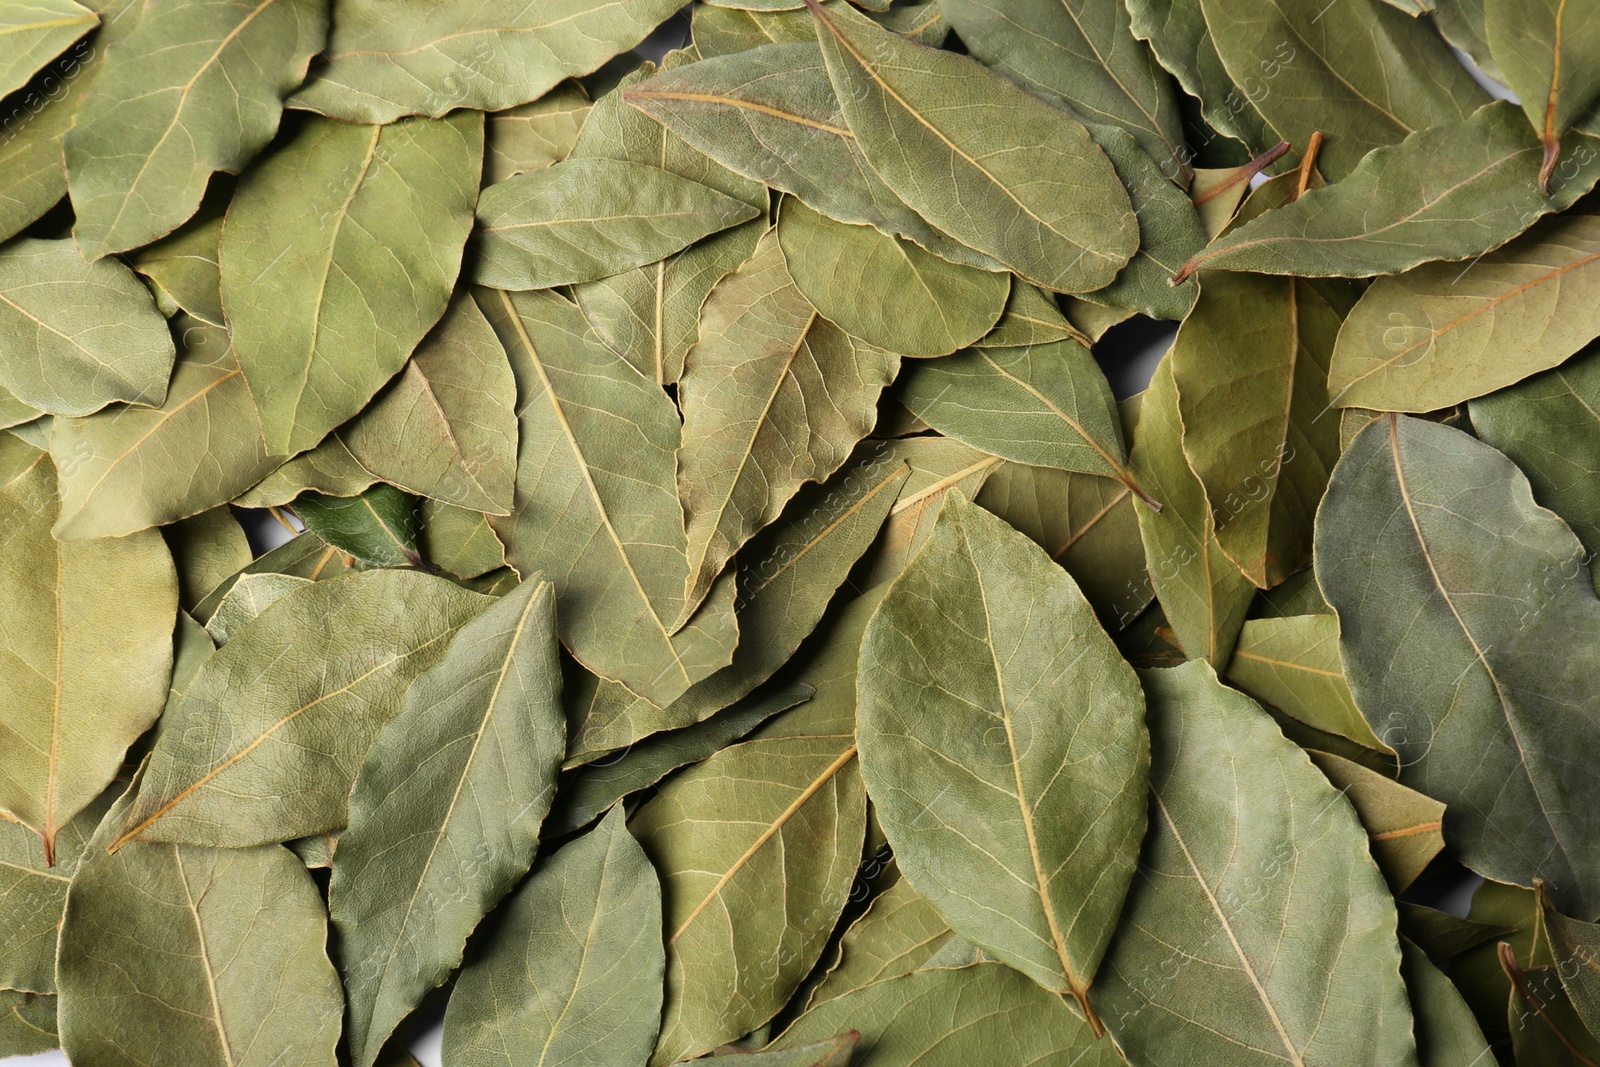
(183, 267)
(1081, 54)
(1575, 946)
(328, 469)
(1403, 825)
(901, 932)
(78, 336)
(27, 1023)
(247, 597)
(1093, 320)
(338, 255)
(1485, 660)
(71, 608)
(987, 1013)
(459, 540)
(952, 691)
(1031, 318)
(316, 851)
(381, 526)
(208, 549)
(257, 750)
(756, 848)
(305, 556)
(1361, 73)
(1549, 425)
(445, 813)
(390, 58)
(1204, 595)
(1542, 51)
(1447, 1034)
(584, 219)
(650, 316)
(1251, 368)
(1461, 24)
(595, 508)
(33, 894)
(194, 89)
(125, 467)
(1259, 930)
(1443, 333)
(1445, 193)
(227, 965)
(535, 135)
(773, 396)
(40, 30)
(834, 1052)
(446, 426)
(894, 96)
(938, 465)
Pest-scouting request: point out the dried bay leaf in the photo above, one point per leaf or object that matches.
(954, 690)
(1445, 193)
(78, 336)
(1543, 54)
(338, 255)
(1031, 318)
(196, 87)
(381, 526)
(834, 1052)
(247, 597)
(389, 58)
(842, 270)
(459, 540)
(1442, 334)
(595, 509)
(773, 396)
(33, 894)
(533, 136)
(1259, 930)
(328, 469)
(1483, 663)
(304, 556)
(68, 720)
(208, 549)
(1403, 825)
(1447, 1034)
(39, 31)
(938, 465)
(445, 813)
(446, 426)
(994, 146)
(183, 269)
(252, 716)
(126, 468)
(756, 848)
(900, 933)
(589, 218)
(27, 1023)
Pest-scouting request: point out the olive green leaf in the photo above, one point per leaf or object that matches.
(835, 1052)
(183, 270)
(1446, 193)
(126, 468)
(1542, 51)
(1251, 368)
(72, 608)
(27, 1023)
(208, 549)
(1360, 72)
(900, 933)
(1203, 593)
(33, 894)
(573, 974)
(756, 848)
(1482, 662)
(338, 255)
(1031, 721)
(1080, 53)
(33, 173)
(650, 316)
(773, 396)
(389, 58)
(195, 88)
(76, 336)
(1443, 333)
(1404, 827)
(227, 965)
(446, 427)
(1293, 665)
(247, 597)
(993, 147)
(534, 136)
(1550, 426)
(938, 465)
(1031, 318)
(1545, 1027)
(1576, 947)
(1177, 33)
(1447, 1034)
(381, 526)
(329, 469)
(38, 31)
(786, 577)
(589, 218)
(445, 814)
(1259, 930)
(14, 412)
(304, 556)
(459, 540)
(316, 851)
(1045, 405)
(985, 1013)
(844, 271)
(589, 791)
(257, 750)
(595, 509)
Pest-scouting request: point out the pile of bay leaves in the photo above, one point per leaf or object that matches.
(727, 611)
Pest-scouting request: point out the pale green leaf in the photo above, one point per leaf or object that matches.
(900, 933)
(459, 540)
(208, 549)
(27, 1023)
(33, 894)
(1404, 827)
(37, 32)
(534, 136)
(329, 469)
(1543, 50)
(247, 597)
(183, 269)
